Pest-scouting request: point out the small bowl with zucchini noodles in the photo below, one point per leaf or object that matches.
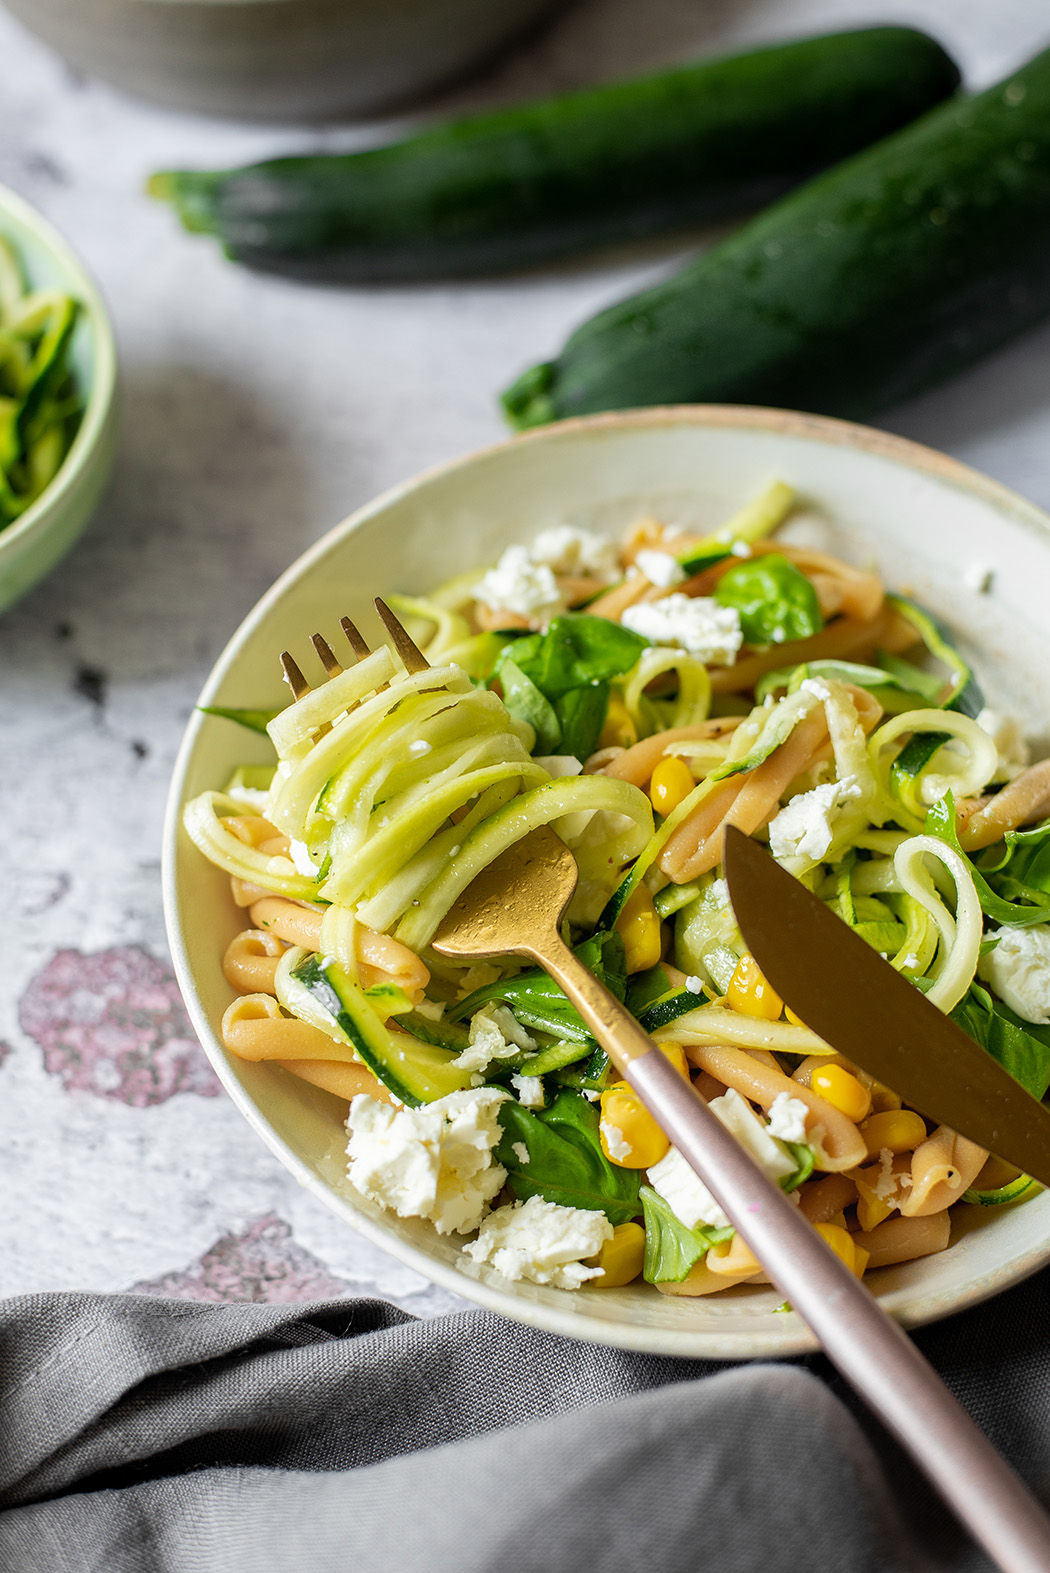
(641, 627)
(58, 374)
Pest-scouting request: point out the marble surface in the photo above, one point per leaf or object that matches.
(257, 413)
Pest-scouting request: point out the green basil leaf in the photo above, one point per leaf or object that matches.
(1021, 1047)
(565, 1159)
(672, 1250)
(775, 600)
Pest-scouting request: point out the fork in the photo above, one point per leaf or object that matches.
(514, 907)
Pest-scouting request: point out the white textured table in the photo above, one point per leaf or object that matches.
(257, 413)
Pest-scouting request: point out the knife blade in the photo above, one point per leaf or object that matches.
(848, 995)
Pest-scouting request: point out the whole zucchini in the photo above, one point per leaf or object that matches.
(863, 287)
(497, 190)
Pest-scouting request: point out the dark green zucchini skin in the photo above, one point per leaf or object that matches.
(865, 286)
(498, 190)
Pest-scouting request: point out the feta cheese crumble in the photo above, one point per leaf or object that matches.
(529, 1090)
(686, 1194)
(517, 584)
(694, 983)
(787, 1118)
(661, 568)
(541, 1242)
(495, 1034)
(434, 1162)
(616, 1144)
(579, 553)
(804, 828)
(1018, 969)
(695, 623)
(520, 1151)
(299, 853)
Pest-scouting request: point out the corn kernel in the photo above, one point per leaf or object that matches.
(872, 1209)
(901, 1130)
(671, 783)
(676, 1054)
(860, 1259)
(750, 994)
(842, 1090)
(841, 1242)
(619, 730)
(796, 1021)
(640, 927)
(637, 1140)
(622, 1257)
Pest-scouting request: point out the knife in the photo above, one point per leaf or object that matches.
(848, 995)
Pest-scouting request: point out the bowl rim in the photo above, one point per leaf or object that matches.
(736, 1343)
(102, 392)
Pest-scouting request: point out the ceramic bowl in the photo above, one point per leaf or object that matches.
(40, 537)
(277, 59)
(924, 520)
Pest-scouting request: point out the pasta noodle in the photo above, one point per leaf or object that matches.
(250, 962)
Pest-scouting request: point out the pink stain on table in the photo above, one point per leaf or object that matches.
(113, 1024)
(263, 1264)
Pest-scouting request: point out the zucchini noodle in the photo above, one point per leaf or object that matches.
(964, 770)
(392, 791)
(961, 934)
(691, 704)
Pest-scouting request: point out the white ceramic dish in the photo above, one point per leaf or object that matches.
(40, 537)
(921, 517)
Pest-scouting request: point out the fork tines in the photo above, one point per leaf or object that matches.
(406, 647)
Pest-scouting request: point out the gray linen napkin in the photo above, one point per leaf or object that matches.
(140, 1435)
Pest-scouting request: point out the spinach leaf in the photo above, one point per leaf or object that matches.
(565, 1159)
(576, 650)
(776, 601)
(538, 1002)
(672, 1250)
(525, 702)
(254, 720)
(1022, 871)
(569, 668)
(1021, 1047)
(940, 821)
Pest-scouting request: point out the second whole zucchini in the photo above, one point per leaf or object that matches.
(866, 285)
(508, 187)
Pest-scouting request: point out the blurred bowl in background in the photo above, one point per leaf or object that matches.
(276, 59)
(42, 535)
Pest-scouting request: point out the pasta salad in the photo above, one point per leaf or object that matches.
(638, 697)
